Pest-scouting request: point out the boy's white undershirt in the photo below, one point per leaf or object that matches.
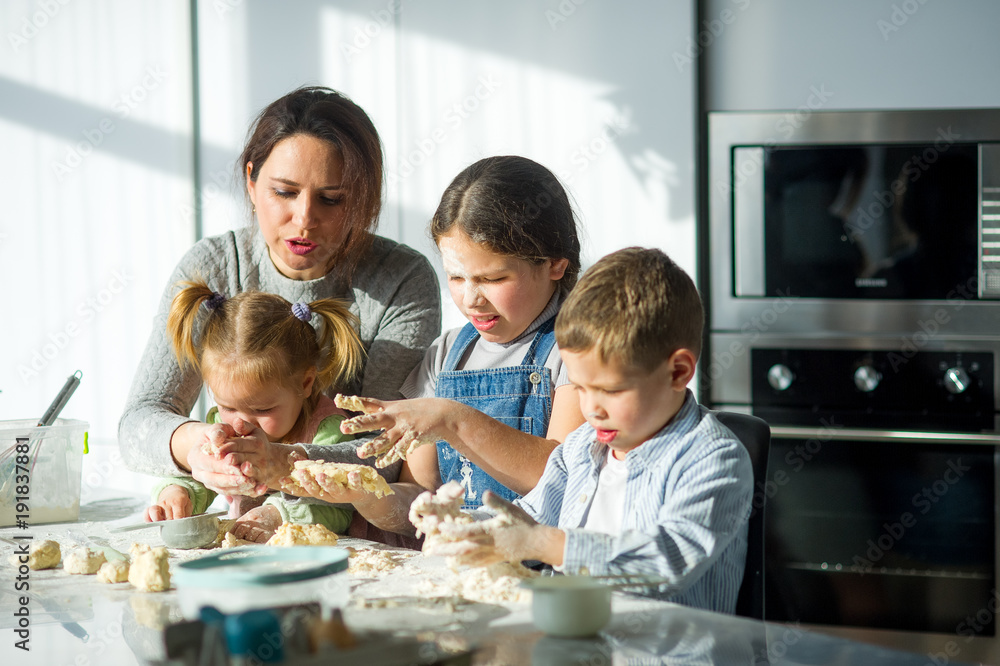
(607, 508)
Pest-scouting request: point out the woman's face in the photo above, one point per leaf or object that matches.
(301, 205)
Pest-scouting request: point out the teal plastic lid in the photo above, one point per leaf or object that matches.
(249, 566)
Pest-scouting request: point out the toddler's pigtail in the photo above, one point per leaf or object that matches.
(339, 342)
(183, 316)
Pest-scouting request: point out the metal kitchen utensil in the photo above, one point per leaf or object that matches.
(184, 533)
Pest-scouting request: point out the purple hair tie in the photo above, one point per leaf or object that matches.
(302, 312)
(215, 300)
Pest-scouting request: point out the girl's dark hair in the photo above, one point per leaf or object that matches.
(515, 207)
(331, 116)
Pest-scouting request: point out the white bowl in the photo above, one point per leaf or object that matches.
(569, 606)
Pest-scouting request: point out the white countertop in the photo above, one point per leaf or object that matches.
(76, 621)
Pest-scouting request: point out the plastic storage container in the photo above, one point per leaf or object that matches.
(51, 459)
(252, 577)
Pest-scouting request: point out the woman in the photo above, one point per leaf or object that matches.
(313, 172)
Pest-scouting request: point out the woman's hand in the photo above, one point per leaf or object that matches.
(258, 524)
(407, 424)
(173, 502)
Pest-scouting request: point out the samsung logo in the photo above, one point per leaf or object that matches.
(870, 282)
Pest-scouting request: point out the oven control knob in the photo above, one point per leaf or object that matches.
(956, 380)
(866, 378)
(780, 377)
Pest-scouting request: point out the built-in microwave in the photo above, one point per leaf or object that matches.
(881, 212)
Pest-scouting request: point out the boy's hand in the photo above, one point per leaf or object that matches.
(407, 424)
(511, 535)
(172, 503)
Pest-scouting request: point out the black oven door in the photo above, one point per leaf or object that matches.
(882, 529)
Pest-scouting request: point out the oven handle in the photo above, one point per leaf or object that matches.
(859, 434)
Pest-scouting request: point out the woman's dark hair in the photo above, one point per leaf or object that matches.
(331, 116)
(515, 207)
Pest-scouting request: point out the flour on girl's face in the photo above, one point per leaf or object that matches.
(499, 294)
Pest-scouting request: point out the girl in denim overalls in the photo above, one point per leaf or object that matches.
(490, 400)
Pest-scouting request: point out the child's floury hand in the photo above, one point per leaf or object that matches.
(511, 535)
(172, 503)
(407, 424)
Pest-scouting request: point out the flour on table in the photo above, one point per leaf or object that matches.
(83, 561)
(372, 563)
(499, 583)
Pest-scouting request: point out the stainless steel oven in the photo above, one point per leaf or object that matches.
(854, 304)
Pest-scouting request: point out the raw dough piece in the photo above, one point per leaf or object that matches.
(83, 561)
(137, 549)
(149, 571)
(233, 541)
(113, 572)
(335, 476)
(352, 403)
(293, 534)
(43, 555)
(449, 531)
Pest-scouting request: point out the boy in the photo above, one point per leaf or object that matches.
(652, 483)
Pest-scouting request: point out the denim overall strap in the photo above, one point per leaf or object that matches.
(519, 396)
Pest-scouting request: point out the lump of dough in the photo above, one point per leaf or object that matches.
(293, 534)
(44, 555)
(334, 475)
(137, 549)
(351, 403)
(83, 561)
(149, 571)
(233, 541)
(113, 572)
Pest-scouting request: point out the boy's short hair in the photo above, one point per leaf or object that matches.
(635, 306)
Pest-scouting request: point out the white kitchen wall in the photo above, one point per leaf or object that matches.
(95, 109)
(592, 89)
(861, 54)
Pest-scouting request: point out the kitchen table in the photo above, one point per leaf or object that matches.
(76, 621)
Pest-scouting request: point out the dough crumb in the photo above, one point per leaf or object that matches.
(150, 571)
(373, 562)
(42, 555)
(113, 572)
(83, 561)
(293, 534)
